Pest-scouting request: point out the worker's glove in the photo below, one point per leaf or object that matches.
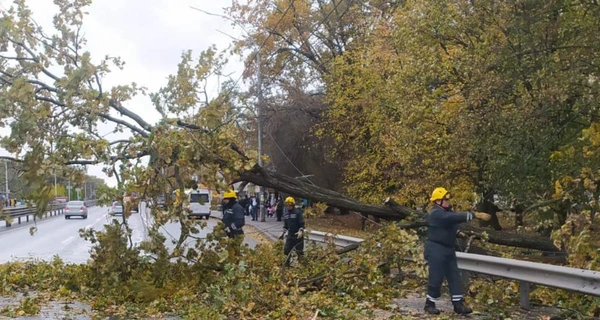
(460, 234)
(283, 234)
(482, 215)
(300, 234)
(227, 230)
(233, 227)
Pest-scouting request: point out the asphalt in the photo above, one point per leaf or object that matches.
(58, 236)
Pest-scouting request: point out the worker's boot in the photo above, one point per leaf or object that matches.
(460, 308)
(430, 307)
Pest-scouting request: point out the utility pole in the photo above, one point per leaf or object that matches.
(55, 190)
(258, 121)
(6, 178)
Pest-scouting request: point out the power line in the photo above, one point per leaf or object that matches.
(255, 54)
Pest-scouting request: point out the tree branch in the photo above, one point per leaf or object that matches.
(125, 123)
(112, 159)
(128, 113)
(541, 204)
(270, 179)
(35, 59)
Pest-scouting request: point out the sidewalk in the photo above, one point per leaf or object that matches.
(270, 229)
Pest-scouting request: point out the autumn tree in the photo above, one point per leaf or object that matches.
(297, 42)
(474, 96)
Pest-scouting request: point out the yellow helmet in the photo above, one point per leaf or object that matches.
(439, 194)
(230, 195)
(289, 201)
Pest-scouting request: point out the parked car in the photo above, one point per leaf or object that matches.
(116, 208)
(76, 208)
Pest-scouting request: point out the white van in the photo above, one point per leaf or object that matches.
(200, 203)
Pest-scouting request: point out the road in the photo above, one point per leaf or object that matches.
(58, 236)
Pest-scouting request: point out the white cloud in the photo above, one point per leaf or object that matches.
(150, 37)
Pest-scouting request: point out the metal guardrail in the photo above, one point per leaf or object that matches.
(526, 272)
(19, 213)
(339, 240)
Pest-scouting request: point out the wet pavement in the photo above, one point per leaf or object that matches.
(59, 236)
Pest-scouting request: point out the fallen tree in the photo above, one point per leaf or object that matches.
(271, 179)
(390, 211)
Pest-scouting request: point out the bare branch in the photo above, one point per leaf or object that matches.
(17, 58)
(120, 141)
(125, 123)
(112, 159)
(132, 115)
(46, 99)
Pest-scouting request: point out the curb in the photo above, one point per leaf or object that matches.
(265, 234)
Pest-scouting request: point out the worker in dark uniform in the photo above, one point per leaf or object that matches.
(293, 225)
(439, 250)
(233, 215)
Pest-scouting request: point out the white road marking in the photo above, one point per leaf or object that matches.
(68, 240)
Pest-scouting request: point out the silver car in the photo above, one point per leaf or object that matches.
(116, 208)
(76, 208)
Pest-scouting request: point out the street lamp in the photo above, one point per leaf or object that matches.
(55, 190)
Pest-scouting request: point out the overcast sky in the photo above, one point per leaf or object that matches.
(149, 35)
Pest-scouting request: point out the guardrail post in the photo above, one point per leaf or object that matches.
(8, 224)
(465, 278)
(19, 218)
(524, 289)
(27, 218)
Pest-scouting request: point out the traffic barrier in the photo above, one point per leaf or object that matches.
(24, 212)
(526, 272)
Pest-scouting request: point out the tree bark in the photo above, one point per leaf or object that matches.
(390, 211)
(512, 239)
(488, 206)
(271, 179)
(519, 213)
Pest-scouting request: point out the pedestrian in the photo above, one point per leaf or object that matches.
(253, 208)
(439, 251)
(233, 215)
(293, 225)
(279, 209)
(244, 203)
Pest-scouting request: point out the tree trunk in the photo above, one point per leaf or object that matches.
(270, 179)
(390, 211)
(519, 213)
(488, 206)
(512, 239)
